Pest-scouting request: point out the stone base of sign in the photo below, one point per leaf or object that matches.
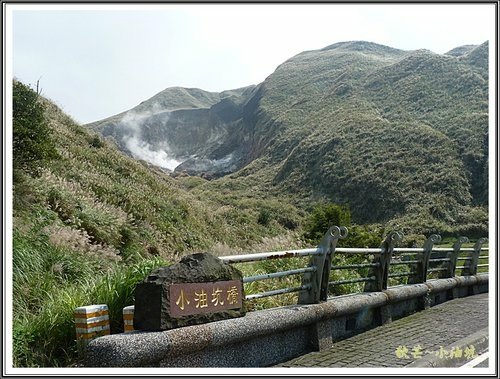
(153, 306)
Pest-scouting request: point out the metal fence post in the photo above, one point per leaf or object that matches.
(318, 280)
(381, 272)
(452, 265)
(471, 268)
(423, 265)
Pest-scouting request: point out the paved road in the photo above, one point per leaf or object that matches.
(481, 361)
(427, 333)
(484, 363)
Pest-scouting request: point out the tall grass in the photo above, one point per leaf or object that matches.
(49, 283)
(92, 223)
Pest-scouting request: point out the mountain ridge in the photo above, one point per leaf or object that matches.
(347, 97)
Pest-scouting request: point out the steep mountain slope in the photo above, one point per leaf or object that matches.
(174, 125)
(89, 223)
(390, 132)
(94, 198)
(368, 127)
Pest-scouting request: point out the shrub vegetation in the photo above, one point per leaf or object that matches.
(93, 222)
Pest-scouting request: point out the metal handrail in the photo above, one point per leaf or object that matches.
(349, 281)
(382, 257)
(439, 260)
(358, 250)
(396, 263)
(279, 274)
(359, 265)
(255, 257)
(277, 292)
(399, 274)
(471, 249)
(408, 250)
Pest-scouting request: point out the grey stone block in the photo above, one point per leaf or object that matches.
(152, 296)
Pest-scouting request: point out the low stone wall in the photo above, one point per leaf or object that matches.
(268, 337)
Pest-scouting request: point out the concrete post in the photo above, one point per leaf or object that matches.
(423, 265)
(128, 319)
(383, 259)
(91, 321)
(318, 280)
(452, 265)
(472, 266)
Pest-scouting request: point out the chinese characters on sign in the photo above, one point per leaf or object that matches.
(195, 298)
(416, 352)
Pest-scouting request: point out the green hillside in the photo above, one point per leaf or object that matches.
(399, 136)
(90, 222)
(384, 133)
(129, 207)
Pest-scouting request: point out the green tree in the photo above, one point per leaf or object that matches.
(31, 136)
(323, 216)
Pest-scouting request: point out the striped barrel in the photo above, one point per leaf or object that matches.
(128, 319)
(90, 322)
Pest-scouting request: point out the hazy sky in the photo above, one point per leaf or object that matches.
(98, 60)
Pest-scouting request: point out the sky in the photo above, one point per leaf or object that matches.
(98, 60)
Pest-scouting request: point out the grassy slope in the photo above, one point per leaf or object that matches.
(93, 224)
(399, 136)
(94, 185)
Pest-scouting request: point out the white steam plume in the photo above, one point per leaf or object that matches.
(141, 149)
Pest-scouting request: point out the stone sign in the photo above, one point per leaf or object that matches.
(196, 298)
(198, 289)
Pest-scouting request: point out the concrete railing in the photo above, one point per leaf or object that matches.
(271, 336)
(268, 337)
